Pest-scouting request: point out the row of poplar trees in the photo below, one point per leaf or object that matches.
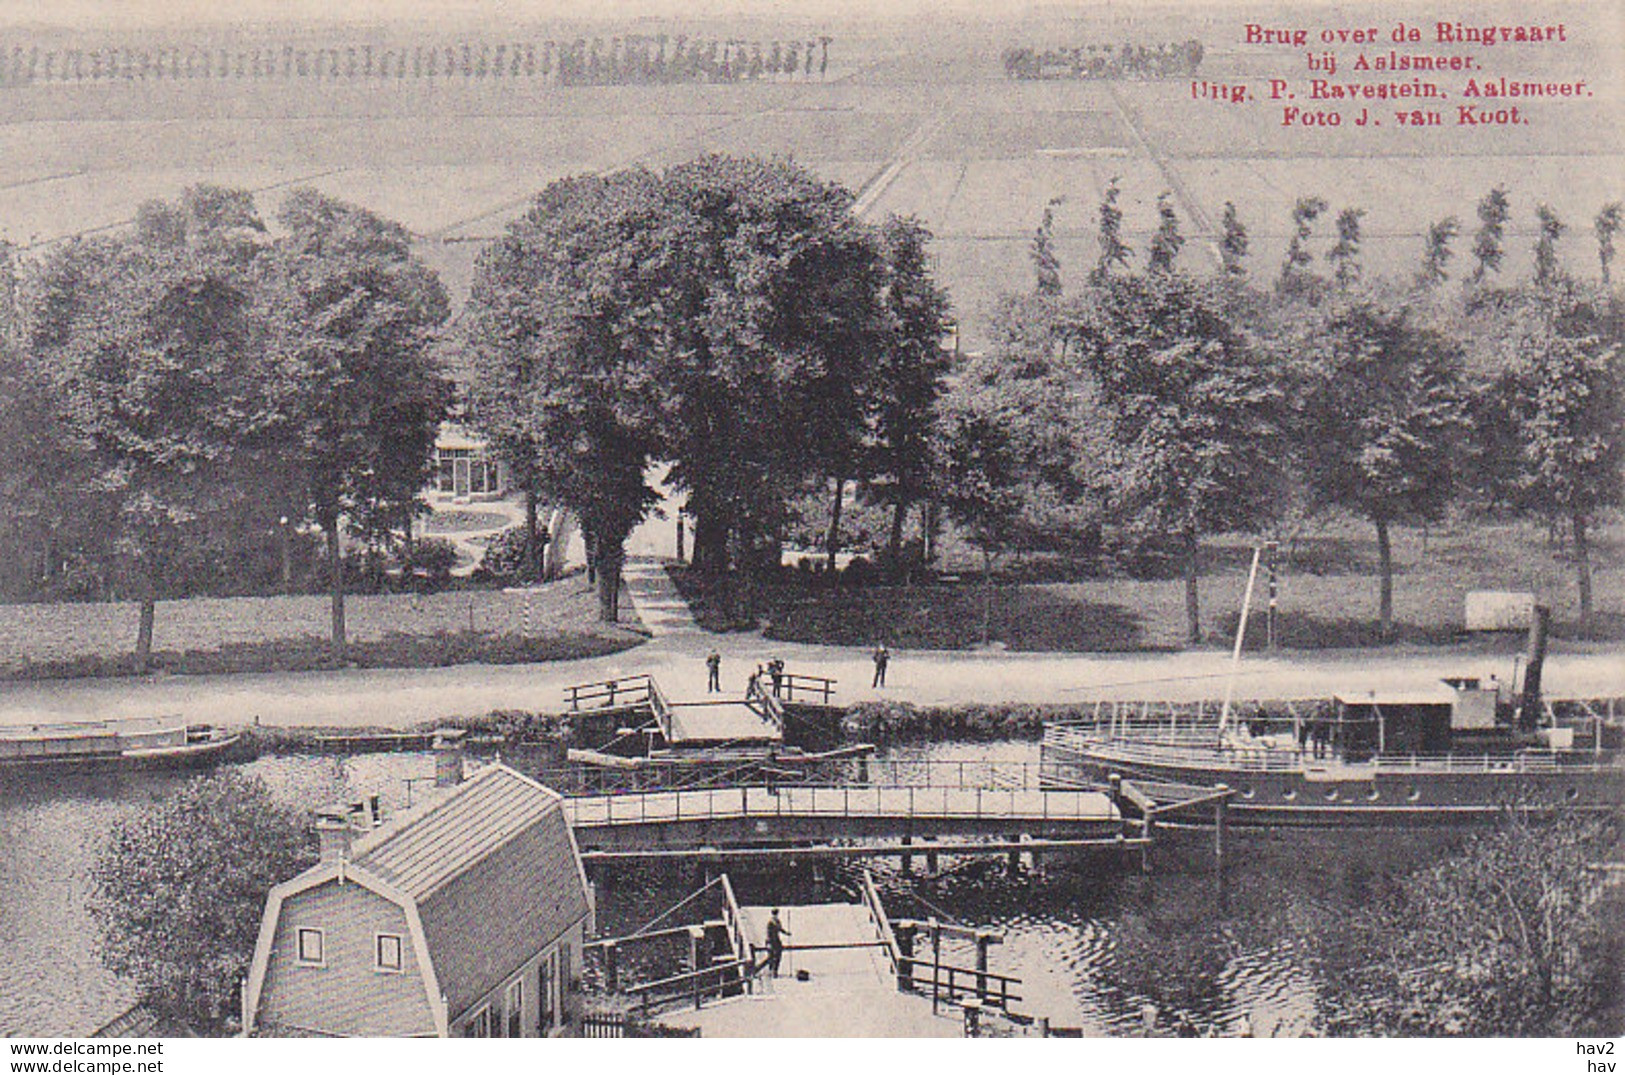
(1181, 405)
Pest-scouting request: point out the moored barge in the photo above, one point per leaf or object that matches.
(137, 742)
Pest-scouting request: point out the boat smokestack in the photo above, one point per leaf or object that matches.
(1540, 624)
(333, 833)
(448, 758)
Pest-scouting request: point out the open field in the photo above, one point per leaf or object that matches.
(243, 634)
(1328, 596)
(917, 122)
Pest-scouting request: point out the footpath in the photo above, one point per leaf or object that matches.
(675, 655)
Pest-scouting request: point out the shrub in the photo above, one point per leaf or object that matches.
(433, 558)
(505, 552)
(859, 571)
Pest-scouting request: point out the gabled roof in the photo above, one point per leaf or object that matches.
(421, 851)
(487, 872)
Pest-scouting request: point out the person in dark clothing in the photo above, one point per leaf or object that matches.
(775, 942)
(775, 671)
(882, 658)
(713, 670)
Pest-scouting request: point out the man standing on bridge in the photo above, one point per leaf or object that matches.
(775, 942)
(713, 668)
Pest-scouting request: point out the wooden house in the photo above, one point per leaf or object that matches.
(461, 918)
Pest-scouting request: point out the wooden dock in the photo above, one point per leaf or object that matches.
(850, 991)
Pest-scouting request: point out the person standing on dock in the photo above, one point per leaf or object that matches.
(775, 942)
(775, 671)
(882, 658)
(713, 671)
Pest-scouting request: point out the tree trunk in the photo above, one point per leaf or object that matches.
(609, 560)
(1385, 568)
(335, 584)
(894, 544)
(930, 523)
(532, 568)
(1582, 566)
(285, 546)
(592, 556)
(832, 541)
(143, 636)
(987, 597)
(1193, 609)
(710, 543)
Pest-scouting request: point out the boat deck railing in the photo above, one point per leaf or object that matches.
(1188, 748)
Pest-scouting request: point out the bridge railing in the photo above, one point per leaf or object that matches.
(790, 771)
(799, 687)
(809, 802)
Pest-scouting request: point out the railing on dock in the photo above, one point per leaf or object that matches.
(950, 983)
(623, 693)
(762, 699)
(709, 973)
(809, 688)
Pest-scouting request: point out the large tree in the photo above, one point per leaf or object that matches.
(1384, 420)
(148, 372)
(562, 322)
(360, 391)
(776, 323)
(1192, 431)
(1572, 370)
(985, 486)
(178, 890)
(906, 377)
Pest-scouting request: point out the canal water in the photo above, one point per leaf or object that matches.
(1093, 940)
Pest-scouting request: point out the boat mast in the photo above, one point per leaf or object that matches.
(1241, 634)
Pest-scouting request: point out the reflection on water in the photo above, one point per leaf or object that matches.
(1092, 939)
(51, 983)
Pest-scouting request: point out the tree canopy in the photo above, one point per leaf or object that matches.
(145, 351)
(360, 390)
(1384, 420)
(1194, 417)
(731, 316)
(1514, 935)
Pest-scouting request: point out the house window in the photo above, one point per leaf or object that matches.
(462, 471)
(388, 947)
(311, 948)
(516, 1007)
(546, 975)
(479, 1025)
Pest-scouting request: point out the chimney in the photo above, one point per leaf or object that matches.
(448, 757)
(333, 832)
